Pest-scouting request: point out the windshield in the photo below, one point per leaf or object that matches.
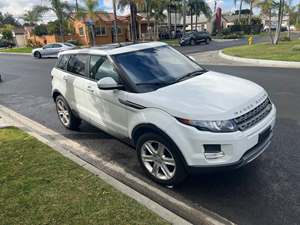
(156, 67)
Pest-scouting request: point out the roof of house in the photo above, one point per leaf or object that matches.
(19, 30)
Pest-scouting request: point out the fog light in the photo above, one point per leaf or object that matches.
(213, 151)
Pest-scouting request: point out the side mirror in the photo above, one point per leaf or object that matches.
(108, 83)
(191, 58)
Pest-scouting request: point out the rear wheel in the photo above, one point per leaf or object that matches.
(65, 114)
(160, 159)
(37, 55)
(207, 41)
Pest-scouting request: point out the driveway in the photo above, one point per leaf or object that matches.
(265, 192)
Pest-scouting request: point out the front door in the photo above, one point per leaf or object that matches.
(105, 107)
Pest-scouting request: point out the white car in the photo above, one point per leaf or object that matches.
(180, 117)
(51, 50)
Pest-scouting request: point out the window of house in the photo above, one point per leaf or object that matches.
(100, 30)
(77, 64)
(101, 67)
(81, 31)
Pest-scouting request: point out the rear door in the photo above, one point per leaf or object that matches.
(77, 81)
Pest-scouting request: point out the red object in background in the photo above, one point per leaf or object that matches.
(219, 19)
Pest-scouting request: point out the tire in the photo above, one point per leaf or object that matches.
(37, 55)
(192, 42)
(207, 41)
(162, 166)
(65, 114)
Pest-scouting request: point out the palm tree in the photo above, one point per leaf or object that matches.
(62, 10)
(33, 16)
(184, 15)
(279, 21)
(157, 12)
(266, 7)
(115, 21)
(133, 4)
(252, 3)
(202, 7)
(240, 9)
(91, 7)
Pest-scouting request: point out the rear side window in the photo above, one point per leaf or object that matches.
(77, 64)
(62, 62)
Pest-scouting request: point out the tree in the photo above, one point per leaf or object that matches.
(33, 16)
(252, 4)
(8, 19)
(91, 8)
(133, 5)
(157, 12)
(240, 9)
(202, 7)
(280, 5)
(63, 12)
(40, 30)
(115, 21)
(266, 7)
(184, 4)
(7, 34)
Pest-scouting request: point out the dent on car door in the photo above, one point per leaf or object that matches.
(105, 105)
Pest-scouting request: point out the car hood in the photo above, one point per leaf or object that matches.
(210, 96)
(37, 49)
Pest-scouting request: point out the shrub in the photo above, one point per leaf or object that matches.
(7, 34)
(285, 38)
(40, 30)
(296, 48)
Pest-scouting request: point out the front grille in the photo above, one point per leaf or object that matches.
(252, 117)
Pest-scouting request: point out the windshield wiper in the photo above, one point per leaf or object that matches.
(190, 75)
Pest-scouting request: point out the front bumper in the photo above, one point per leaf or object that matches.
(239, 147)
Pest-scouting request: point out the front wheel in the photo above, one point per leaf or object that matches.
(160, 159)
(37, 55)
(192, 42)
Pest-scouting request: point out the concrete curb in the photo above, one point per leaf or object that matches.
(78, 153)
(15, 53)
(261, 62)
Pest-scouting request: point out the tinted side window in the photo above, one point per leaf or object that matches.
(56, 46)
(62, 62)
(101, 67)
(77, 64)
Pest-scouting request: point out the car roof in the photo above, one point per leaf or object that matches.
(113, 49)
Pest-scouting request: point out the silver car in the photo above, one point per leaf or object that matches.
(51, 50)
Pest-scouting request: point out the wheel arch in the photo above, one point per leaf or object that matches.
(55, 94)
(148, 128)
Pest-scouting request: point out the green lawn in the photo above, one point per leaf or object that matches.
(285, 51)
(40, 186)
(17, 50)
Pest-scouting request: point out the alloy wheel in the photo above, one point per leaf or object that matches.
(158, 160)
(63, 112)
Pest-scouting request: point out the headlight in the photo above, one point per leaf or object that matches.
(214, 126)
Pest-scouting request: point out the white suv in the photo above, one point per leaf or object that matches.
(180, 117)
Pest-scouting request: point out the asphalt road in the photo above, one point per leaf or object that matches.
(265, 192)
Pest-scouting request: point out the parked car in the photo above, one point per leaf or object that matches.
(195, 37)
(180, 117)
(51, 50)
(6, 43)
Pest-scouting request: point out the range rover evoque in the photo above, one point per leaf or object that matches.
(180, 117)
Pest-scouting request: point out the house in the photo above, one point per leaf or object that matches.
(103, 28)
(19, 36)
